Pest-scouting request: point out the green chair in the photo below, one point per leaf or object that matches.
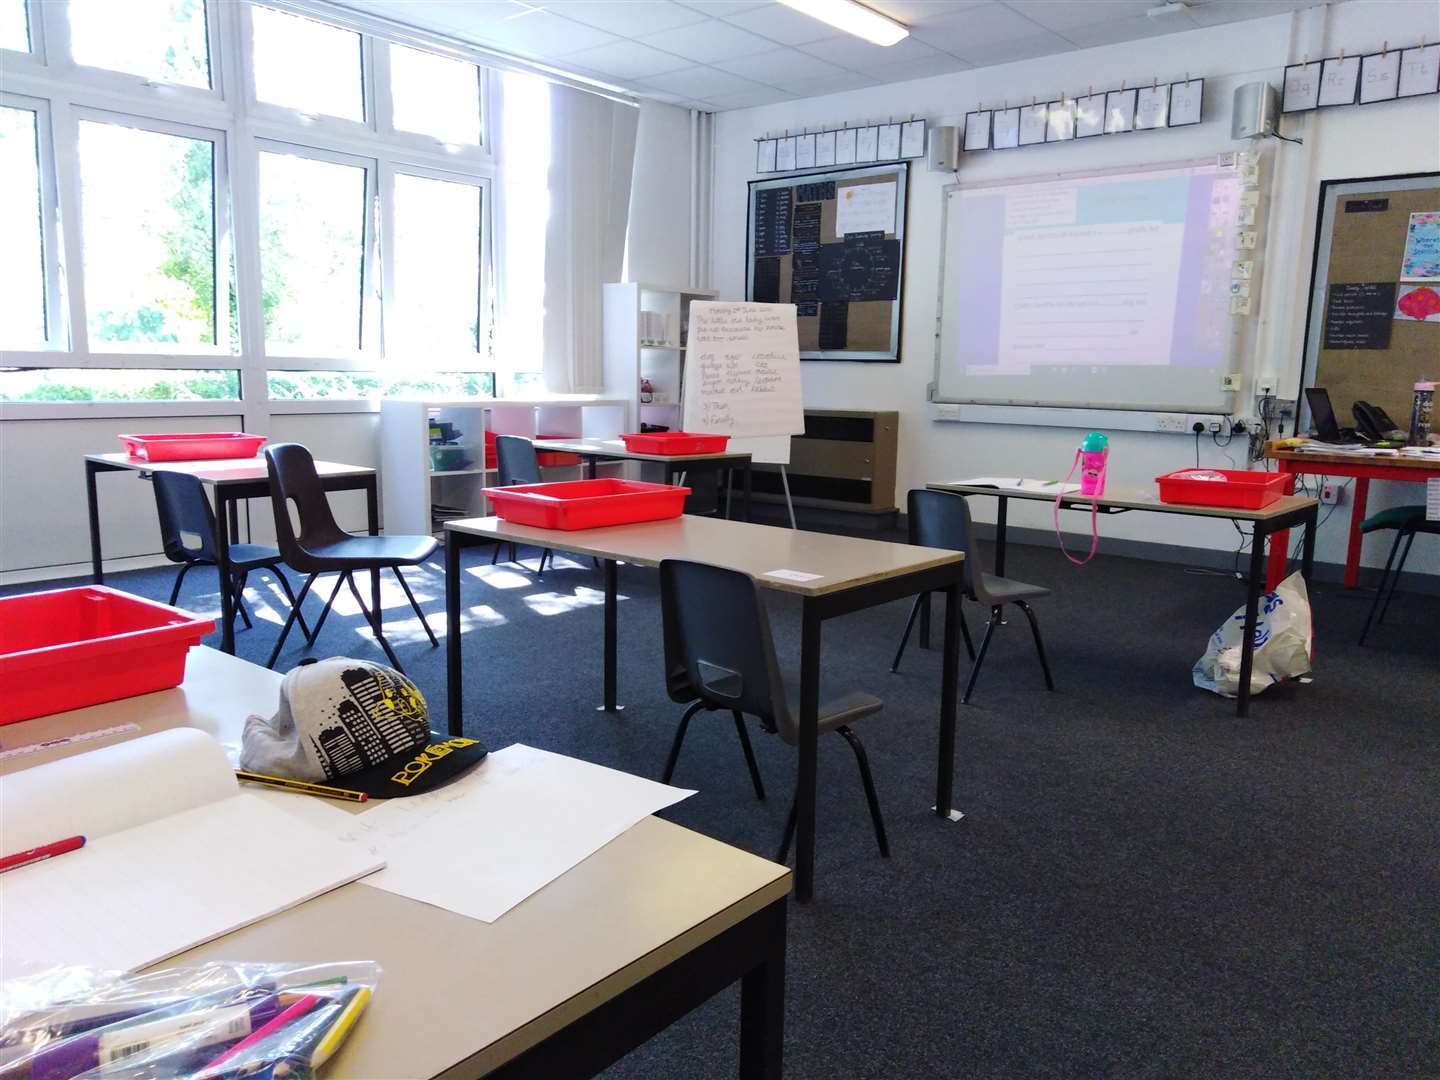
(1406, 521)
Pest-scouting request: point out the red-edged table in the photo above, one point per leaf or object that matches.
(1363, 469)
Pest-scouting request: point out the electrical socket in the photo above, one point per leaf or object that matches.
(1172, 423)
(1331, 493)
(1264, 387)
(947, 412)
(1230, 381)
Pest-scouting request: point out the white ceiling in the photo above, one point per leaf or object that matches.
(732, 54)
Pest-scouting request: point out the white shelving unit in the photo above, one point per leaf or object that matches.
(411, 489)
(632, 354)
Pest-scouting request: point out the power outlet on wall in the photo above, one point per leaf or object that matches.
(1331, 493)
(1172, 423)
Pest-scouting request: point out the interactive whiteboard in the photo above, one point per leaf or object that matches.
(1108, 291)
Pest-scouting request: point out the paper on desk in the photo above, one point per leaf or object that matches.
(1020, 483)
(1432, 500)
(484, 842)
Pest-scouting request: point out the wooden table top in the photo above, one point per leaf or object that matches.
(1131, 498)
(458, 997)
(615, 448)
(1399, 462)
(223, 470)
(842, 562)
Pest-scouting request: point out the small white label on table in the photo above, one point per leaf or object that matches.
(799, 576)
(1432, 500)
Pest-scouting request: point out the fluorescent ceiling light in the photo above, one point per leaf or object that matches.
(853, 18)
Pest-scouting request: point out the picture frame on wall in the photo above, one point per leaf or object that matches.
(1419, 71)
(1089, 116)
(1380, 77)
(977, 130)
(1033, 121)
(1005, 129)
(1339, 81)
(1301, 88)
(1119, 112)
(1060, 121)
(1187, 101)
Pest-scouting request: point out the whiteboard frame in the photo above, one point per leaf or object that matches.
(933, 393)
(902, 204)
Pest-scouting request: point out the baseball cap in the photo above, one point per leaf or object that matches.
(356, 725)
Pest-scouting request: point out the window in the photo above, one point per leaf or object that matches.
(434, 95)
(164, 40)
(437, 256)
(147, 205)
(350, 385)
(306, 65)
(14, 26)
(118, 384)
(22, 268)
(312, 253)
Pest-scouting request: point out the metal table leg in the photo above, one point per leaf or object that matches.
(453, 688)
(1000, 513)
(949, 689)
(92, 503)
(225, 511)
(762, 1006)
(1253, 589)
(611, 637)
(372, 514)
(809, 736)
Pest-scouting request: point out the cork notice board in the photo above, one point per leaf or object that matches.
(833, 244)
(1363, 338)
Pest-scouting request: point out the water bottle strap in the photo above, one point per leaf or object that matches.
(1094, 514)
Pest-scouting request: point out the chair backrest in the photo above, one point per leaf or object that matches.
(718, 647)
(940, 519)
(184, 509)
(515, 459)
(293, 479)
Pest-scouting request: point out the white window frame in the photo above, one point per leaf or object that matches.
(320, 124)
(57, 338)
(54, 17)
(384, 94)
(34, 57)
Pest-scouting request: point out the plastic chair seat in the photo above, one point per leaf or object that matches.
(253, 556)
(1000, 590)
(839, 712)
(1397, 517)
(369, 552)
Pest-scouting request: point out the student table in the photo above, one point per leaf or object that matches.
(853, 574)
(1363, 469)
(233, 480)
(595, 450)
(1273, 522)
(586, 969)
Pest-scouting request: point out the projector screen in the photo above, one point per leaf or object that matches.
(1109, 291)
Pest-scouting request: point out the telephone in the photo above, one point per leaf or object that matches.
(1373, 425)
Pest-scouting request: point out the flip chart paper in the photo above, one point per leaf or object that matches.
(742, 374)
(865, 208)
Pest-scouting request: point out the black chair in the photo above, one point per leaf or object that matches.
(1407, 521)
(719, 656)
(516, 463)
(187, 529)
(939, 519)
(321, 546)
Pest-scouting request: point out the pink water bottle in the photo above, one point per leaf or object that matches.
(1094, 453)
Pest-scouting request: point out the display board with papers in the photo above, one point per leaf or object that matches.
(742, 372)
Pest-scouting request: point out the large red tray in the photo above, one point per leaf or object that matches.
(67, 648)
(1242, 489)
(193, 446)
(675, 442)
(587, 504)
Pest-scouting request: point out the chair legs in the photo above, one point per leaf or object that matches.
(916, 610)
(374, 621)
(290, 620)
(240, 609)
(290, 596)
(1386, 588)
(783, 855)
(1039, 645)
(980, 656)
(1395, 578)
(418, 613)
(175, 592)
(863, 761)
(325, 611)
(679, 740)
(749, 754)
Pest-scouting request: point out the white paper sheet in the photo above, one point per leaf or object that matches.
(845, 146)
(865, 208)
(1419, 71)
(506, 829)
(1152, 107)
(1339, 81)
(1302, 87)
(1033, 121)
(977, 130)
(1432, 500)
(1119, 111)
(825, 148)
(800, 576)
(912, 139)
(742, 373)
(1006, 134)
(888, 147)
(1020, 483)
(867, 143)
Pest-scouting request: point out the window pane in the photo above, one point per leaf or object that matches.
(370, 385)
(434, 95)
(118, 384)
(22, 269)
(14, 26)
(147, 202)
(312, 246)
(163, 40)
(307, 65)
(437, 269)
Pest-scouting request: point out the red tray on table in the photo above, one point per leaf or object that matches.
(192, 446)
(586, 504)
(675, 442)
(1243, 489)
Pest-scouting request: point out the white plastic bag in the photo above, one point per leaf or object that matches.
(1283, 638)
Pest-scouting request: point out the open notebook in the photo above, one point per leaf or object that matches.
(175, 855)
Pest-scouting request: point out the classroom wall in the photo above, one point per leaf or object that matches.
(1391, 138)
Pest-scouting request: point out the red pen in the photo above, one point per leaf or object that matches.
(38, 854)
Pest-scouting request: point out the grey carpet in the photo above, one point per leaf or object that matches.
(1143, 884)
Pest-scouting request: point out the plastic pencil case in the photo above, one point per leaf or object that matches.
(192, 446)
(675, 442)
(68, 648)
(1240, 489)
(587, 504)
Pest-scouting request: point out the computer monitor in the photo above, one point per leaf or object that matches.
(1326, 427)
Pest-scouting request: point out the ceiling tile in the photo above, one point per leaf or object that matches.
(917, 12)
(464, 20)
(724, 8)
(975, 28)
(700, 82)
(708, 41)
(628, 18)
(853, 52)
(543, 34)
(1062, 14)
(1216, 12)
(1044, 43)
(779, 65)
(785, 25)
(828, 84)
(748, 99)
(1132, 29)
(939, 64)
(626, 60)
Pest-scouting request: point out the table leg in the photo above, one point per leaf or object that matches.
(1253, 589)
(611, 636)
(745, 503)
(372, 514)
(949, 689)
(762, 1005)
(1307, 548)
(225, 511)
(809, 737)
(453, 689)
(1357, 517)
(1280, 541)
(1000, 511)
(233, 518)
(925, 620)
(592, 464)
(92, 503)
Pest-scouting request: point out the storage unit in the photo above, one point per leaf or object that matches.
(844, 461)
(645, 338)
(417, 497)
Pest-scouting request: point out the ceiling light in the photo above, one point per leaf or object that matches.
(853, 18)
(1174, 7)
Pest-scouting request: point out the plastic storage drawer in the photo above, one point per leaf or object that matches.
(587, 504)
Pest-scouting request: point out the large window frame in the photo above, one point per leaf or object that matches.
(62, 93)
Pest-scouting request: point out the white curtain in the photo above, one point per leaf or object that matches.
(591, 159)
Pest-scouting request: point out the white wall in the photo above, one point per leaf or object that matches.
(1374, 140)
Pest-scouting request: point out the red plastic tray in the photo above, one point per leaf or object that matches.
(1242, 489)
(675, 442)
(193, 446)
(67, 648)
(587, 504)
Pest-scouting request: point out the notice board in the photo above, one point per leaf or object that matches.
(833, 244)
(1373, 328)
